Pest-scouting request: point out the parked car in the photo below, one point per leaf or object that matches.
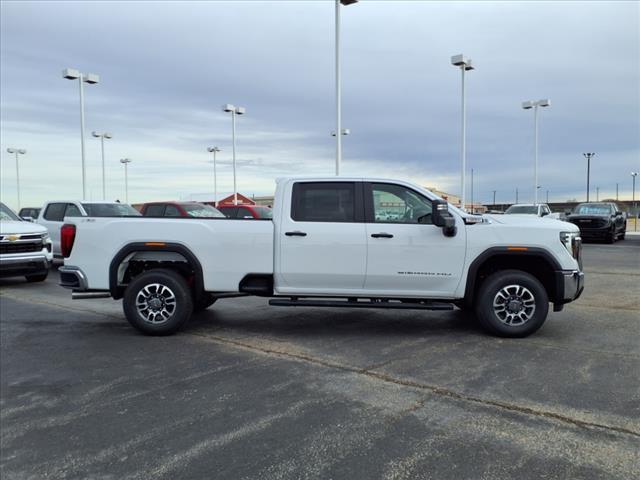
(179, 209)
(52, 215)
(25, 247)
(599, 221)
(327, 247)
(537, 209)
(29, 214)
(246, 211)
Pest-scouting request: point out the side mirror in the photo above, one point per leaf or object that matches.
(567, 212)
(441, 217)
(544, 214)
(28, 219)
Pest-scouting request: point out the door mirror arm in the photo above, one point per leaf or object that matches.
(441, 217)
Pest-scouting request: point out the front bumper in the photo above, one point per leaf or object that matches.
(17, 265)
(569, 285)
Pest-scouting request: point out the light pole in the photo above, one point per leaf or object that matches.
(17, 151)
(597, 194)
(91, 79)
(547, 197)
(516, 195)
(464, 64)
(338, 85)
(126, 161)
(633, 200)
(494, 199)
(545, 102)
(616, 191)
(234, 111)
(102, 136)
(588, 156)
(214, 150)
(472, 209)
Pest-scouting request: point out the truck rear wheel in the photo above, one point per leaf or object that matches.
(158, 302)
(511, 303)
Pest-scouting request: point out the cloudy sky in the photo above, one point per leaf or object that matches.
(166, 68)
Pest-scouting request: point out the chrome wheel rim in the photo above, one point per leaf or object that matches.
(514, 305)
(156, 303)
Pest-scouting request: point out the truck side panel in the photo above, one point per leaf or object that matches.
(227, 249)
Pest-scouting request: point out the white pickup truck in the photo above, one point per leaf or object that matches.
(332, 242)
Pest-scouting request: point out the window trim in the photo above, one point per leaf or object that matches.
(358, 201)
(369, 210)
(163, 206)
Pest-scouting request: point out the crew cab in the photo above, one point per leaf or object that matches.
(599, 221)
(331, 243)
(52, 215)
(246, 211)
(179, 209)
(25, 248)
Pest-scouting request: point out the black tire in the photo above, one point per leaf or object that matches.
(203, 301)
(167, 298)
(611, 237)
(40, 277)
(532, 318)
(622, 235)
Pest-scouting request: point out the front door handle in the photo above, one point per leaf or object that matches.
(382, 235)
(295, 233)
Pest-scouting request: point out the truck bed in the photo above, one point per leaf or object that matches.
(227, 249)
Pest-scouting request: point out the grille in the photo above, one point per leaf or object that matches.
(20, 247)
(591, 223)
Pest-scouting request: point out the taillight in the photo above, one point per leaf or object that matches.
(67, 236)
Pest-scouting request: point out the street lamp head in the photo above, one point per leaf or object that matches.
(460, 61)
(125, 160)
(22, 151)
(212, 149)
(95, 134)
(545, 102)
(227, 107)
(91, 78)
(634, 174)
(107, 135)
(527, 105)
(70, 74)
(241, 110)
(348, 2)
(11, 150)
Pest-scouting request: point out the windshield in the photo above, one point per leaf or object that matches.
(529, 209)
(202, 211)
(7, 214)
(263, 212)
(110, 210)
(593, 209)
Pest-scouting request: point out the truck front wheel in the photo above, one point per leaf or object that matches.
(511, 303)
(158, 302)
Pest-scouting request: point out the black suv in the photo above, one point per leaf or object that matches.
(599, 221)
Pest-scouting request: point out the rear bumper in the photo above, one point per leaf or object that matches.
(73, 278)
(23, 264)
(570, 284)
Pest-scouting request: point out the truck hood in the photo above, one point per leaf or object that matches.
(531, 221)
(15, 227)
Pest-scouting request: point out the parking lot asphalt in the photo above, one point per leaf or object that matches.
(253, 391)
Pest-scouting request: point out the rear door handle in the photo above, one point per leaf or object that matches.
(381, 235)
(295, 233)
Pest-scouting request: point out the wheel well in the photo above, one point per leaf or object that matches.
(537, 265)
(135, 259)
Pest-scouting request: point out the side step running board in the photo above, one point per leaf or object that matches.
(280, 302)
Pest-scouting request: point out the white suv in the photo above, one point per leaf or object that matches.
(52, 215)
(25, 248)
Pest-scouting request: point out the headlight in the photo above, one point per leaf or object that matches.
(572, 242)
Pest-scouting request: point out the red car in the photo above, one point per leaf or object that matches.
(179, 209)
(258, 212)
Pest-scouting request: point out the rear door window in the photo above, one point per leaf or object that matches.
(244, 212)
(154, 211)
(72, 211)
(172, 211)
(230, 212)
(55, 212)
(324, 202)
